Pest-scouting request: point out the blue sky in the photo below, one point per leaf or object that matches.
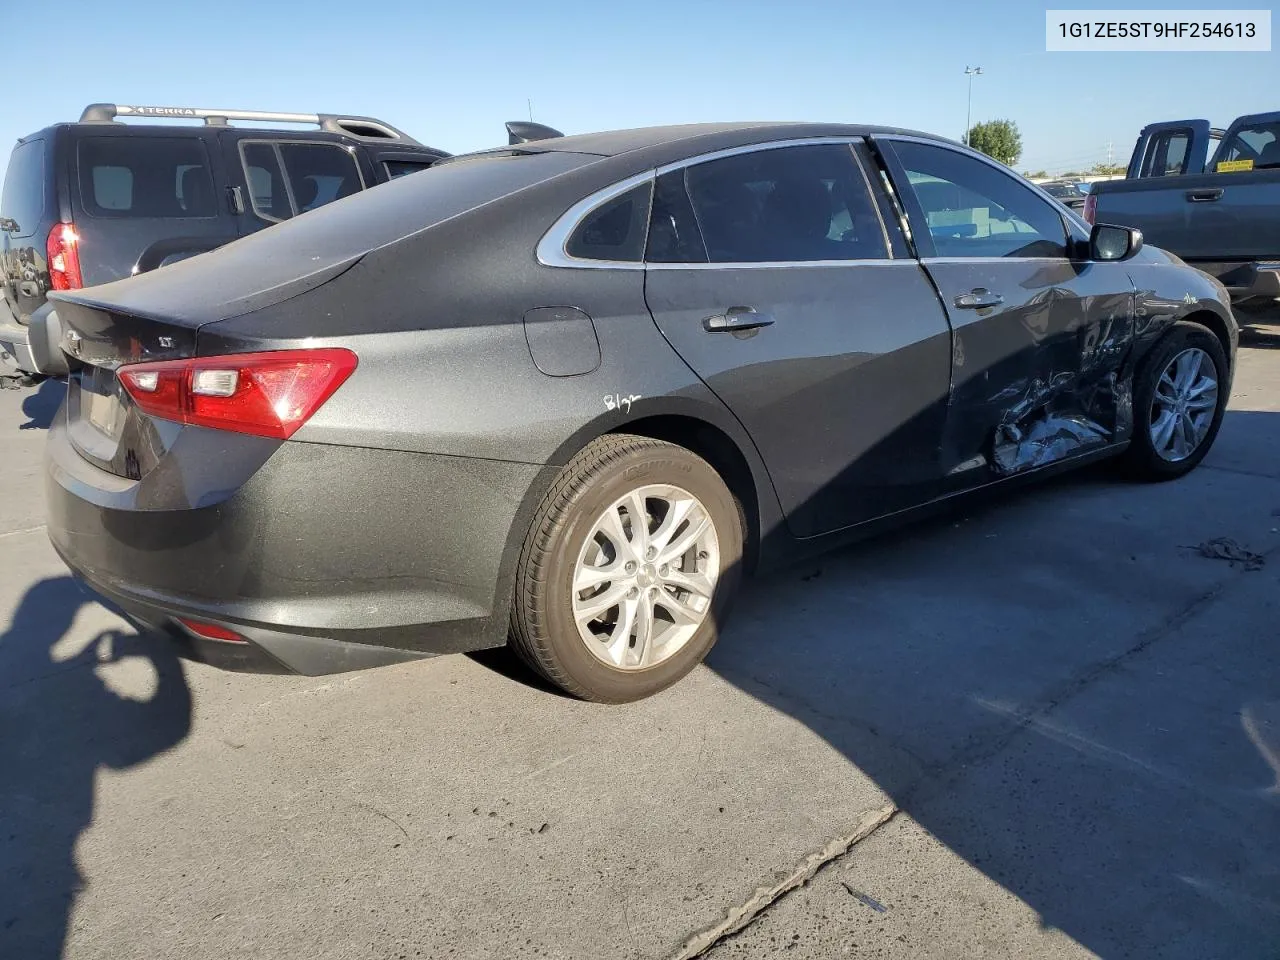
(451, 73)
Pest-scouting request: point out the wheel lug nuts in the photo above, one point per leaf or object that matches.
(650, 553)
(633, 593)
(631, 566)
(663, 570)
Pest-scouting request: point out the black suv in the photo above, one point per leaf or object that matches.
(97, 200)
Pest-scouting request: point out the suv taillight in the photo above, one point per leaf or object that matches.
(64, 258)
(1090, 208)
(266, 394)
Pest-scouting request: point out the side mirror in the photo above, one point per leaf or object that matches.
(1108, 242)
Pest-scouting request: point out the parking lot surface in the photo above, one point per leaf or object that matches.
(1043, 726)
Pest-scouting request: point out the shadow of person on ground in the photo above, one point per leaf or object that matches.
(41, 405)
(59, 724)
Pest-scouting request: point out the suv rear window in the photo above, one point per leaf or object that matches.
(24, 187)
(152, 177)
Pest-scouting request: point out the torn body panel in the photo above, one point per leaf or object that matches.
(1039, 376)
(1072, 411)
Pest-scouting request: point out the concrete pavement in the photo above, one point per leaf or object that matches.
(1045, 726)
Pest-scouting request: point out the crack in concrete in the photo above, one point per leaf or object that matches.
(740, 917)
(981, 749)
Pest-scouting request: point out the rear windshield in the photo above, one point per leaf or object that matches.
(151, 177)
(24, 187)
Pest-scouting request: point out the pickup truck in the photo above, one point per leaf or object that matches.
(1220, 213)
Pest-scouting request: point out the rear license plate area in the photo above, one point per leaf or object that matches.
(100, 401)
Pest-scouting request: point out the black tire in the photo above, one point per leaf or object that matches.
(1141, 461)
(543, 631)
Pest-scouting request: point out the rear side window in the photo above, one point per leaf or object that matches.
(152, 177)
(1167, 155)
(289, 178)
(789, 204)
(674, 236)
(398, 168)
(615, 230)
(24, 187)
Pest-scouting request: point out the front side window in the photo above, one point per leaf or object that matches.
(789, 204)
(153, 177)
(1259, 143)
(972, 209)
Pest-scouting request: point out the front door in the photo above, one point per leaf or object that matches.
(770, 272)
(1040, 333)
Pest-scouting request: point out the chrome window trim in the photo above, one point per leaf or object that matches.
(931, 260)
(754, 148)
(551, 251)
(775, 264)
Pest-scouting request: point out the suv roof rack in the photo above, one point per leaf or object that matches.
(363, 128)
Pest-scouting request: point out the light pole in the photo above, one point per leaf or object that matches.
(970, 72)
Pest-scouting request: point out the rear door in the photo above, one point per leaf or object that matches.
(144, 197)
(282, 175)
(1038, 335)
(1171, 149)
(772, 274)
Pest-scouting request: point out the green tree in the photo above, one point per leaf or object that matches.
(1038, 175)
(1107, 169)
(998, 139)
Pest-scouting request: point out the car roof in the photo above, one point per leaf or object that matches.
(704, 136)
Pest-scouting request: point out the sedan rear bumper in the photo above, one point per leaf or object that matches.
(325, 558)
(264, 650)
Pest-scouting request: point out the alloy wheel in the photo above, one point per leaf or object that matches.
(1184, 405)
(645, 577)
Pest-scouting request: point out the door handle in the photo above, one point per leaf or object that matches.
(1204, 196)
(29, 288)
(736, 318)
(235, 200)
(978, 298)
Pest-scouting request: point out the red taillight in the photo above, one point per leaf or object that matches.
(265, 394)
(63, 252)
(211, 632)
(1090, 208)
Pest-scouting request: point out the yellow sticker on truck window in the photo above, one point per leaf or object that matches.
(1234, 166)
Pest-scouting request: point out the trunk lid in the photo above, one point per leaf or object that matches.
(103, 423)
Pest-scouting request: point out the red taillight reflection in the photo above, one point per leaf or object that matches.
(266, 394)
(211, 632)
(1090, 208)
(63, 251)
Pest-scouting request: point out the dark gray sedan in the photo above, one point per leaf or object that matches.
(565, 394)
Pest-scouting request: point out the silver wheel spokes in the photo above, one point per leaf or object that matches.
(645, 577)
(1184, 405)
